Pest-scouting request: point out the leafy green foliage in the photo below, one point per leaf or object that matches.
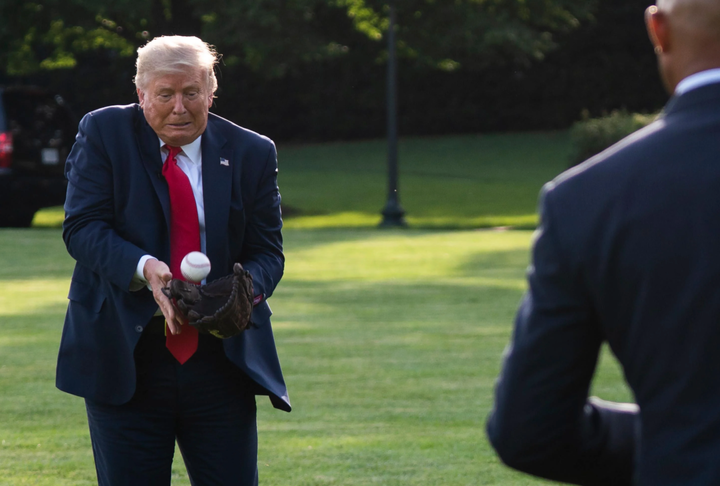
(471, 33)
(313, 70)
(48, 35)
(273, 36)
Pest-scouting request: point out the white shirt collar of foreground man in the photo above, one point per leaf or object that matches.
(193, 150)
(698, 80)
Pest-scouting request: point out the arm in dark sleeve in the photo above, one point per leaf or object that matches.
(542, 422)
(262, 253)
(88, 229)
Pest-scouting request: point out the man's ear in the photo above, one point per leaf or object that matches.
(657, 27)
(141, 97)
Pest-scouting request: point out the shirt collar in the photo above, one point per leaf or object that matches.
(698, 80)
(192, 151)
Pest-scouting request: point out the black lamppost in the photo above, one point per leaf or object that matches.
(393, 213)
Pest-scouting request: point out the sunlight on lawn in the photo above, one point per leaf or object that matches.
(33, 296)
(390, 343)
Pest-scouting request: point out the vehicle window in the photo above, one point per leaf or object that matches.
(38, 112)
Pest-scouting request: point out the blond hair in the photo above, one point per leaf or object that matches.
(175, 54)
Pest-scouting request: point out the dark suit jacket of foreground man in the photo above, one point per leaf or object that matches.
(628, 252)
(118, 210)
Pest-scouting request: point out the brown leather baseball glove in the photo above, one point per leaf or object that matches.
(222, 308)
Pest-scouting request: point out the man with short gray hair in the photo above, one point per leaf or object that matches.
(147, 184)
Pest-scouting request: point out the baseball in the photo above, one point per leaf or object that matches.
(195, 266)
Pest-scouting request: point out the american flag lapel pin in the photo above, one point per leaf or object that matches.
(224, 161)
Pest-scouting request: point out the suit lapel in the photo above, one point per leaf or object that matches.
(151, 159)
(217, 188)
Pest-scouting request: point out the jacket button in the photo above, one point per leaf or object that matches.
(139, 328)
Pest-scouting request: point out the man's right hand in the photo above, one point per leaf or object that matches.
(158, 275)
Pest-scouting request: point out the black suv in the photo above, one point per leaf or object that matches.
(37, 131)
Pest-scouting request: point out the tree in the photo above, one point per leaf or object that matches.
(273, 36)
(49, 34)
(315, 69)
(472, 33)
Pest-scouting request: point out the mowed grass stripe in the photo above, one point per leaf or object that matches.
(390, 342)
(467, 181)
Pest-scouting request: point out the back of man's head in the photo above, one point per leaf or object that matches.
(686, 36)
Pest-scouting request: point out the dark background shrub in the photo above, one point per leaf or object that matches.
(592, 136)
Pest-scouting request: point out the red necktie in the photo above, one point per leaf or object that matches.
(184, 238)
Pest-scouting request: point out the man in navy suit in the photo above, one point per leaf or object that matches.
(628, 253)
(120, 215)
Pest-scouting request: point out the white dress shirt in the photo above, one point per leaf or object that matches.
(697, 80)
(190, 162)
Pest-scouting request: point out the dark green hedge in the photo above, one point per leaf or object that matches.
(592, 136)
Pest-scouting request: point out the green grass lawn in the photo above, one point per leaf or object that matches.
(390, 342)
(449, 182)
(466, 181)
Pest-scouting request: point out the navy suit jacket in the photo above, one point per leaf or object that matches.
(627, 252)
(117, 210)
